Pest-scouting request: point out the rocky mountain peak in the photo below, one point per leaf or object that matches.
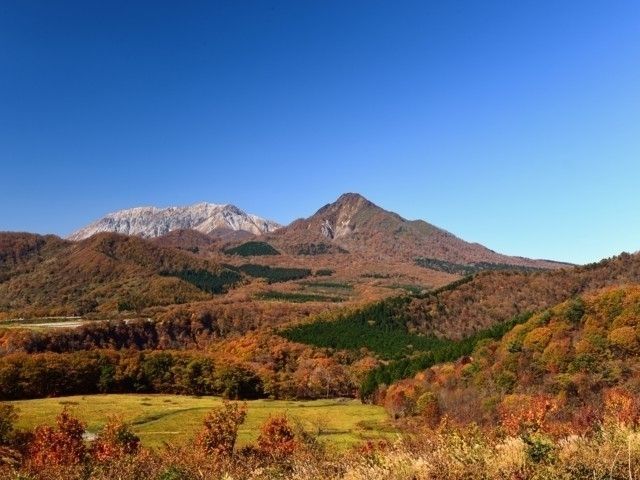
(152, 222)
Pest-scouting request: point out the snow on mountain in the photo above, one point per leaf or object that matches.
(154, 222)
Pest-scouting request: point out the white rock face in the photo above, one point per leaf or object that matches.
(154, 222)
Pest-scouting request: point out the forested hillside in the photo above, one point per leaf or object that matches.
(491, 297)
(416, 332)
(108, 272)
(569, 360)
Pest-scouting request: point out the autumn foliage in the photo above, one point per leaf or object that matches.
(567, 369)
(114, 441)
(220, 430)
(277, 438)
(62, 445)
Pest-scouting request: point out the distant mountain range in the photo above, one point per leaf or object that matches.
(350, 224)
(146, 257)
(152, 222)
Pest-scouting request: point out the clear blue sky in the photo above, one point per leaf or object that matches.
(511, 123)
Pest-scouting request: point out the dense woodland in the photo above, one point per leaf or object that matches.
(540, 354)
(253, 366)
(384, 330)
(492, 297)
(273, 274)
(469, 269)
(571, 358)
(252, 249)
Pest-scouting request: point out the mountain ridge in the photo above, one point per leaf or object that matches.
(358, 225)
(152, 222)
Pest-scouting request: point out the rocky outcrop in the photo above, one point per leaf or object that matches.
(150, 222)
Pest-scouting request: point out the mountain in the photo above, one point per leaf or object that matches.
(354, 224)
(569, 358)
(45, 275)
(492, 297)
(150, 222)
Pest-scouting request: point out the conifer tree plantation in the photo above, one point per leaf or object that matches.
(341, 240)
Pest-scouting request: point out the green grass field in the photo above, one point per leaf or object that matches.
(172, 418)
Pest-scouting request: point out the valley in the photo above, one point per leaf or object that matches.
(351, 329)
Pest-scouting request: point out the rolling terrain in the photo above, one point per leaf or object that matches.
(350, 252)
(576, 355)
(479, 350)
(105, 273)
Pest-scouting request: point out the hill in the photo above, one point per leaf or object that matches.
(568, 362)
(107, 272)
(415, 332)
(491, 297)
(154, 222)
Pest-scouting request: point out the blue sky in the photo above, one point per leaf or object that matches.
(513, 124)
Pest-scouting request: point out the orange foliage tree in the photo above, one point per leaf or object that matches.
(521, 414)
(220, 429)
(114, 441)
(61, 445)
(277, 438)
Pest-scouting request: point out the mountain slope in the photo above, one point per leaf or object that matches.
(492, 297)
(571, 360)
(356, 225)
(154, 222)
(106, 273)
(469, 305)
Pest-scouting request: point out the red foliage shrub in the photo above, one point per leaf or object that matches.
(114, 441)
(524, 413)
(277, 438)
(220, 430)
(621, 407)
(62, 445)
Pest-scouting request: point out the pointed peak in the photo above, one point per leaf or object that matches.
(350, 201)
(351, 197)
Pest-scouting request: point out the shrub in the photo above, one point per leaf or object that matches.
(277, 438)
(220, 429)
(8, 417)
(621, 407)
(114, 441)
(400, 400)
(427, 406)
(538, 448)
(537, 339)
(624, 339)
(59, 446)
(575, 311)
(524, 414)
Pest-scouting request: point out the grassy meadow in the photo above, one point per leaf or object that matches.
(172, 418)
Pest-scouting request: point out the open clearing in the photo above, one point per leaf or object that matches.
(43, 323)
(173, 418)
